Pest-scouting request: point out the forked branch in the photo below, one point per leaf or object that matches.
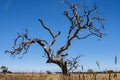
(80, 23)
(51, 33)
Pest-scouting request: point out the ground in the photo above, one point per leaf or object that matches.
(78, 76)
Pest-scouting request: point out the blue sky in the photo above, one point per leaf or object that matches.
(17, 15)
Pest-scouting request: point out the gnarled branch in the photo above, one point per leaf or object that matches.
(54, 36)
(79, 23)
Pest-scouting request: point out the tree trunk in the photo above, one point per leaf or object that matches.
(62, 64)
(63, 67)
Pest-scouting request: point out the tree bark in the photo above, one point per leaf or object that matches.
(63, 67)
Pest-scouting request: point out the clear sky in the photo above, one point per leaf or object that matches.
(17, 15)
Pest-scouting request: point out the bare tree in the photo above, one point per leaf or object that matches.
(82, 25)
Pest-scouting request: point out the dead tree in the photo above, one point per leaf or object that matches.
(82, 25)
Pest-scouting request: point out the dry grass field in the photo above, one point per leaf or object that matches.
(93, 76)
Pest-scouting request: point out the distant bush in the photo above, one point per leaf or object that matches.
(108, 71)
(48, 72)
(90, 71)
(4, 69)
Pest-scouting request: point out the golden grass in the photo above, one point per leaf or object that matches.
(91, 76)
